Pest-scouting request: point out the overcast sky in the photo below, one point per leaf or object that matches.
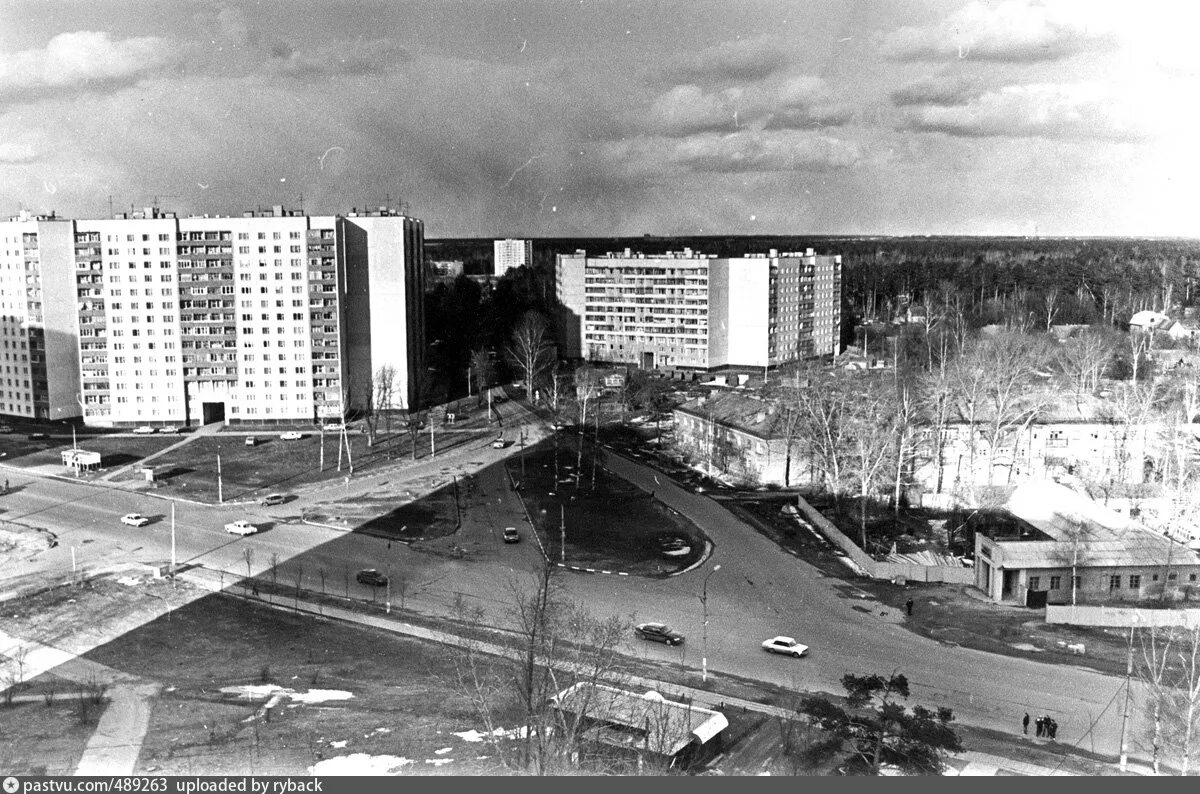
(598, 117)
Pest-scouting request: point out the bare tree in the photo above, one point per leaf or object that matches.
(1153, 669)
(384, 395)
(1084, 357)
(871, 429)
(530, 350)
(587, 389)
(482, 369)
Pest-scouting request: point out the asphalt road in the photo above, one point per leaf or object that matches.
(760, 591)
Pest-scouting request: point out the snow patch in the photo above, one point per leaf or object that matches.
(129, 581)
(360, 764)
(265, 691)
(439, 761)
(442, 751)
(339, 744)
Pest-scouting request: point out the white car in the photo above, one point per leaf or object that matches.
(143, 430)
(291, 435)
(135, 520)
(241, 528)
(168, 429)
(785, 645)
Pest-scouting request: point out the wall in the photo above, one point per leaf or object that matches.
(1121, 616)
(882, 570)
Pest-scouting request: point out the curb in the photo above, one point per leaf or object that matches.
(588, 570)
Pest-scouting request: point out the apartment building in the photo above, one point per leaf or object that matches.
(507, 254)
(684, 310)
(271, 317)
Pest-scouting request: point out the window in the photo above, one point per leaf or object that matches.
(1135, 581)
(1114, 582)
(1035, 583)
(1055, 582)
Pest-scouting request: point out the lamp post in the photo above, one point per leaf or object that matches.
(704, 604)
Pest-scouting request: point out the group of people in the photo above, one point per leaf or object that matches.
(1047, 727)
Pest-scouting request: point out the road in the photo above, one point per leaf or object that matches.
(760, 591)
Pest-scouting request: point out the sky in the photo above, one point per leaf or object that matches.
(551, 118)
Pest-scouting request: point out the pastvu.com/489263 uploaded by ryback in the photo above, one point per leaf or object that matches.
(164, 785)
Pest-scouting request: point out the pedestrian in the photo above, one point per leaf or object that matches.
(1051, 728)
(909, 605)
(6, 485)
(1041, 725)
(1025, 724)
(255, 591)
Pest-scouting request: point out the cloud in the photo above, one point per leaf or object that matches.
(1013, 30)
(739, 152)
(739, 60)
(1045, 110)
(17, 153)
(83, 60)
(938, 91)
(348, 58)
(790, 102)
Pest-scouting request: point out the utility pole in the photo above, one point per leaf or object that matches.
(349, 457)
(220, 486)
(704, 604)
(172, 544)
(432, 443)
(562, 537)
(1125, 714)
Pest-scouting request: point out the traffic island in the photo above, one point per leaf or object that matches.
(590, 519)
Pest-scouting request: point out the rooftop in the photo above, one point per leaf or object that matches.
(1075, 524)
(646, 722)
(738, 410)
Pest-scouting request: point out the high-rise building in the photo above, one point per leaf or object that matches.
(271, 317)
(683, 310)
(507, 254)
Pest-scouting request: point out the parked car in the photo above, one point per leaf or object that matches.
(658, 632)
(6, 428)
(144, 430)
(251, 441)
(273, 499)
(785, 645)
(291, 435)
(511, 535)
(135, 520)
(168, 429)
(336, 427)
(38, 436)
(241, 528)
(499, 443)
(371, 577)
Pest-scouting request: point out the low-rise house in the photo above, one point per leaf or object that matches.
(1062, 548)
(651, 728)
(740, 436)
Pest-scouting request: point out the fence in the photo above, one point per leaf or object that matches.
(1121, 616)
(882, 570)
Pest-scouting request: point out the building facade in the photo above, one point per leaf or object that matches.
(507, 254)
(683, 310)
(271, 317)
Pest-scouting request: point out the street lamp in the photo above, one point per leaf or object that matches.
(704, 604)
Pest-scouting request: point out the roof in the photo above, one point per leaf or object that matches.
(643, 721)
(1150, 319)
(1077, 525)
(739, 411)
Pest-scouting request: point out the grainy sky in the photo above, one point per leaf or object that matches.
(598, 117)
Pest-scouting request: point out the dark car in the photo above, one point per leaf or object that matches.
(658, 632)
(372, 578)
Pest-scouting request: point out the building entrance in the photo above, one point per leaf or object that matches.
(213, 412)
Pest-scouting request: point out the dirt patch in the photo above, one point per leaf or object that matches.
(605, 522)
(46, 730)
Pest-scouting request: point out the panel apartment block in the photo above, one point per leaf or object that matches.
(507, 254)
(683, 310)
(155, 319)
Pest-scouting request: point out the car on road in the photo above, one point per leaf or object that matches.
(785, 645)
(168, 429)
(38, 436)
(511, 535)
(658, 632)
(6, 428)
(273, 499)
(135, 520)
(335, 427)
(251, 441)
(241, 528)
(371, 577)
(291, 435)
(499, 443)
(144, 430)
